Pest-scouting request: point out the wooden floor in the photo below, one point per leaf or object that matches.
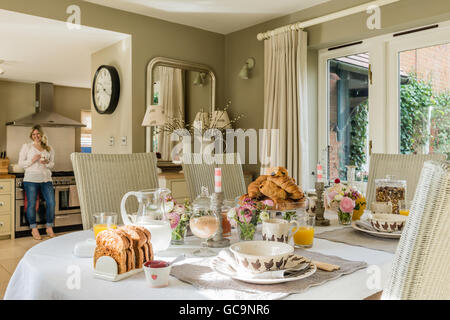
(11, 251)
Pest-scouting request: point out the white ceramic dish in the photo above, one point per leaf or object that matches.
(387, 222)
(377, 233)
(261, 256)
(220, 266)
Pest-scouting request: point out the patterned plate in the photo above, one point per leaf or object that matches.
(377, 233)
(219, 265)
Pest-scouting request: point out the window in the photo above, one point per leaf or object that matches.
(387, 94)
(86, 132)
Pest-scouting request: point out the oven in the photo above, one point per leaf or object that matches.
(67, 210)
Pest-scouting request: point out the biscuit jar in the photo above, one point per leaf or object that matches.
(390, 190)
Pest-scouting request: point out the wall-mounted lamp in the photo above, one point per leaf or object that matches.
(249, 65)
(200, 79)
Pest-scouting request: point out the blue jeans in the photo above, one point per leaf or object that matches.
(31, 190)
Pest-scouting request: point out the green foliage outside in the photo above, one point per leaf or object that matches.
(416, 97)
(358, 135)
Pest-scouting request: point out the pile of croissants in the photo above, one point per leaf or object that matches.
(277, 186)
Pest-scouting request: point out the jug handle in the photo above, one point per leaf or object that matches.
(123, 210)
(297, 226)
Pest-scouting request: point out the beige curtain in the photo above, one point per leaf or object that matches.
(285, 105)
(171, 97)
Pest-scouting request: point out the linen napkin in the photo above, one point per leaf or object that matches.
(293, 267)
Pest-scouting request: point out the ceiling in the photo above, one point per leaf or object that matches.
(221, 16)
(37, 49)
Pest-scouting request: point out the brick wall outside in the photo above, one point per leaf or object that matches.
(430, 63)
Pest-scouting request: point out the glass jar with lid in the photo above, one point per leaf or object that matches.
(390, 190)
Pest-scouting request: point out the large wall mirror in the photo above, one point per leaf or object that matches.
(177, 89)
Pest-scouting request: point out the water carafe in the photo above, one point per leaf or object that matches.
(151, 214)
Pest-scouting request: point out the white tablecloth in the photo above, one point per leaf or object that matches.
(48, 270)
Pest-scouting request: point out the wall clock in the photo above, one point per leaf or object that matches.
(106, 89)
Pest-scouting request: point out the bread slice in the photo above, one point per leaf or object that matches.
(138, 240)
(116, 244)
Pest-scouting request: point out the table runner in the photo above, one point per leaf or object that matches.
(201, 276)
(353, 237)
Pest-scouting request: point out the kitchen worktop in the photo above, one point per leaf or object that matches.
(7, 176)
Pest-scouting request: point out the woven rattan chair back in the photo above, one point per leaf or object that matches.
(420, 269)
(103, 179)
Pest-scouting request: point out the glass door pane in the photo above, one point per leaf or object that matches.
(424, 75)
(348, 93)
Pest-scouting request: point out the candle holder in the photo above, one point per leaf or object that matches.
(320, 205)
(218, 241)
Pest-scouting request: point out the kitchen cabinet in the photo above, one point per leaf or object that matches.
(7, 201)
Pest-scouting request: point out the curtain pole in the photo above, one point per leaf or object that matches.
(328, 17)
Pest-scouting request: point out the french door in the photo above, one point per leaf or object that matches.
(387, 94)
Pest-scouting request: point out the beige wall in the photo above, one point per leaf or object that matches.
(247, 95)
(17, 100)
(150, 38)
(117, 124)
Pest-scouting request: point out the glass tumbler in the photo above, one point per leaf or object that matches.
(104, 221)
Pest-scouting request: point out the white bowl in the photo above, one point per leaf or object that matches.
(261, 256)
(388, 222)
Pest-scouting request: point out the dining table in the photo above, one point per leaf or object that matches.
(50, 270)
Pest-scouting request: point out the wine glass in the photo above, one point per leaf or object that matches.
(204, 224)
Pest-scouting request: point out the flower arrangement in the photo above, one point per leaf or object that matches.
(345, 201)
(179, 218)
(247, 216)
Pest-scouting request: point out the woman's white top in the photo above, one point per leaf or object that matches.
(36, 172)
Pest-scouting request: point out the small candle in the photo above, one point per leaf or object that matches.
(217, 180)
(319, 173)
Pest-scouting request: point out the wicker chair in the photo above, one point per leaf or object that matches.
(402, 166)
(103, 179)
(199, 172)
(421, 265)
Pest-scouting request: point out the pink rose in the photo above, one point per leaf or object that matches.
(347, 205)
(268, 203)
(174, 219)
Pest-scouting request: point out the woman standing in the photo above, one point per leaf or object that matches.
(37, 158)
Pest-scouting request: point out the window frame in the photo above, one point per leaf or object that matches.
(384, 109)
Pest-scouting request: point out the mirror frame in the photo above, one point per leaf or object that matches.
(179, 64)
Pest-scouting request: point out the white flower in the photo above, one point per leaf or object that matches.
(264, 215)
(231, 213)
(338, 197)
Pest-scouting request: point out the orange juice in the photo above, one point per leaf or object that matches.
(404, 212)
(101, 227)
(304, 236)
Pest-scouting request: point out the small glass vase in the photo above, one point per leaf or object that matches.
(178, 235)
(246, 231)
(344, 218)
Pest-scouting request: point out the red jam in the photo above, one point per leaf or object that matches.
(156, 264)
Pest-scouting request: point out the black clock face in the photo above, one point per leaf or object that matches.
(106, 89)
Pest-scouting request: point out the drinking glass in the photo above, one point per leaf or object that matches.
(104, 221)
(304, 235)
(403, 207)
(204, 224)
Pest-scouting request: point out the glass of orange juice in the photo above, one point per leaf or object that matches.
(104, 221)
(403, 207)
(304, 235)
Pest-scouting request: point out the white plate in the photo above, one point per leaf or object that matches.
(221, 266)
(377, 233)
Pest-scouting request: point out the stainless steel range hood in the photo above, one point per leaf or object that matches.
(44, 114)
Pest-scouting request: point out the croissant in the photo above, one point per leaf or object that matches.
(288, 184)
(277, 172)
(271, 190)
(253, 188)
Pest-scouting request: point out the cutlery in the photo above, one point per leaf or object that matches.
(178, 259)
(298, 271)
